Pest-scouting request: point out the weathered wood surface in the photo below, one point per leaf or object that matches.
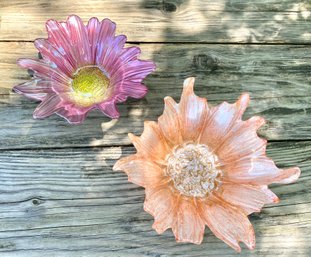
(224, 21)
(58, 194)
(276, 77)
(68, 202)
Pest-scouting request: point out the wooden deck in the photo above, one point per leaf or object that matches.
(58, 193)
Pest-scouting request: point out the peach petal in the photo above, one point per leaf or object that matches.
(169, 122)
(259, 170)
(141, 172)
(192, 112)
(189, 226)
(228, 223)
(151, 144)
(161, 203)
(250, 198)
(243, 133)
(220, 120)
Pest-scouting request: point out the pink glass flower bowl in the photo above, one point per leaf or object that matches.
(83, 67)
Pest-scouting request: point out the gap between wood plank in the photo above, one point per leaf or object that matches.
(186, 43)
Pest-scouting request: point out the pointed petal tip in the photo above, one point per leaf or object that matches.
(132, 137)
(244, 100)
(189, 82)
(117, 166)
(258, 120)
(169, 100)
(156, 226)
(189, 240)
(293, 175)
(21, 62)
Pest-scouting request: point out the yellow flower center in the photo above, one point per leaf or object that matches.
(89, 86)
(193, 169)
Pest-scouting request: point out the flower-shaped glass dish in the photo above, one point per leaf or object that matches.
(83, 67)
(204, 165)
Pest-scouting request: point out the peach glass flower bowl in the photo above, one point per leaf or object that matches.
(83, 67)
(203, 165)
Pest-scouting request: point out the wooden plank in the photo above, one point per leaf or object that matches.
(169, 21)
(288, 119)
(69, 201)
(278, 78)
(265, 70)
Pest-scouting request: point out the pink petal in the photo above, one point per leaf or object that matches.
(192, 111)
(141, 172)
(130, 54)
(161, 203)
(105, 36)
(243, 134)
(137, 70)
(50, 105)
(220, 120)
(79, 40)
(189, 226)
(250, 198)
(43, 70)
(259, 170)
(93, 27)
(51, 54)
(73, 115)
(228, 223)
(135, 90)
(36, 89)
(151, 143)
(109, 109)
(60, 39)
(169, 122)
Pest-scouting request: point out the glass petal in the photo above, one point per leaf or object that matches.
(228, 223)
(105, 37)
(169, 122)
(189, 227)
(59, 38)
(47, 107)
(36, 89)
(151, 143)
(243, 133)
(109, 109)
(52, 55)
(93, 27)
(72, 114)
(140, 171)
(259, 170)
(130, 53)
(161, 203)
(192, 111)
(79, 40)
(43, 70)
(220, 120)
(250, 198)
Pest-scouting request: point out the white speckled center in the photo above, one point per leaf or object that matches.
(193, 169)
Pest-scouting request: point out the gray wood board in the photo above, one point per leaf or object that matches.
(223, 21)
(69, 202)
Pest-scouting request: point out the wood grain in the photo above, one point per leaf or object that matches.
(222, 21)
(72, 204)
(266, 70)
(287, 119)
(58, 193)
(276, 77)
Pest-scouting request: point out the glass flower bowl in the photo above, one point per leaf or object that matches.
(203, 165)
(83, 67)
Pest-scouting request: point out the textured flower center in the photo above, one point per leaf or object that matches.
(89, 86)
(193, 169)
